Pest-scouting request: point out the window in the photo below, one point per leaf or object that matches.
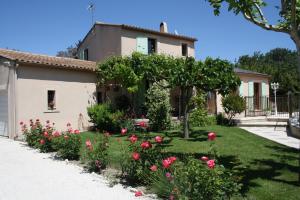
(51, 100)
(151, 46)
(99, 97)
(86, 54)
(184, 49)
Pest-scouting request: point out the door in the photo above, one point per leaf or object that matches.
(256, 96)
(3, 113)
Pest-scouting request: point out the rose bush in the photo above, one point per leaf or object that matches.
(97, 153)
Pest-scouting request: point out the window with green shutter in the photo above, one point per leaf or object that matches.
(142, 45)
(241, 88)
(250, 89)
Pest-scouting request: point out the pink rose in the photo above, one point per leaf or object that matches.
(153, 168)
(211, 164)
(88, 144)
(133, 138)
(146, 145)
(142, 124)
(168, 161)
(169, 176)
(42, 142)
(211, 136)
(123, 131)
(55, 134)
(138, 193)
(158, 139)
(76, 131)
(204, 158)
(135, 156)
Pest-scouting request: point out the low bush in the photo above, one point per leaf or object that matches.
(104, 117)
(233, 104)
(67, 145)
(196, 180)
(97, 153)
(38, 136)
(221, 119)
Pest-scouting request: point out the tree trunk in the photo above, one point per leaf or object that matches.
(187, 95)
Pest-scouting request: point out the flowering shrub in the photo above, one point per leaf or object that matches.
(141, 158)
(96, 153)
(67, 144)
(195, 180)
(38, 136)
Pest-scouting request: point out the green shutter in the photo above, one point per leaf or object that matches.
(142, 45)
(241, 88)
(263, 89)
(250, 89)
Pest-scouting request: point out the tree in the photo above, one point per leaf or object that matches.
(182, 73)
(289, 23)
(280, 63)
(70, 52)
(233, 104)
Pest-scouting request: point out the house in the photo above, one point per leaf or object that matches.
(105, 40)
(34, 86)
(254, 88)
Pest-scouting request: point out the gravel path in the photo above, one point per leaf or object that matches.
(26, 174)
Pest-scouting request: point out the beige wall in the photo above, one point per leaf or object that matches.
(103, 42)
(75, 91)
(254, 78)
(165, 45)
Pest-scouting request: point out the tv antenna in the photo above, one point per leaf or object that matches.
(91, 8)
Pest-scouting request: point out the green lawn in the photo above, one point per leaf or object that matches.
(270, 168)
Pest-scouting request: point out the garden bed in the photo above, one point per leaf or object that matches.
(269, 170)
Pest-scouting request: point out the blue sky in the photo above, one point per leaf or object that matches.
(46, 27)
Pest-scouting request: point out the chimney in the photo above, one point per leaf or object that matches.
(163, 27)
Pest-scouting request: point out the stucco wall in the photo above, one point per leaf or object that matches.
(75, 91)
(256, 79)
(102, 42)
(165, 45)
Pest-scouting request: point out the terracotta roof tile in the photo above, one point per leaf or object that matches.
(51, 61)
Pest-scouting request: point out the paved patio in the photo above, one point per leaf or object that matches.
(26, 174)
(278, 135)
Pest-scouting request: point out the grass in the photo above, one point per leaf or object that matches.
(270, 169)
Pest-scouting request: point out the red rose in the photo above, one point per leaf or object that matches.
(76, 131)
(135, 156)
(153, 168)
(173, 159)
(204, 158)
(158, 139)
(146, 145)
(133, 138)
(211, 164)
(42, 142)
(142, 124)
(123, 131)
(138, 194)
(211, 136)
(46, 134)
(166, 163)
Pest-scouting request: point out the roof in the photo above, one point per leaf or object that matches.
(52, 61)
(244, 71)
